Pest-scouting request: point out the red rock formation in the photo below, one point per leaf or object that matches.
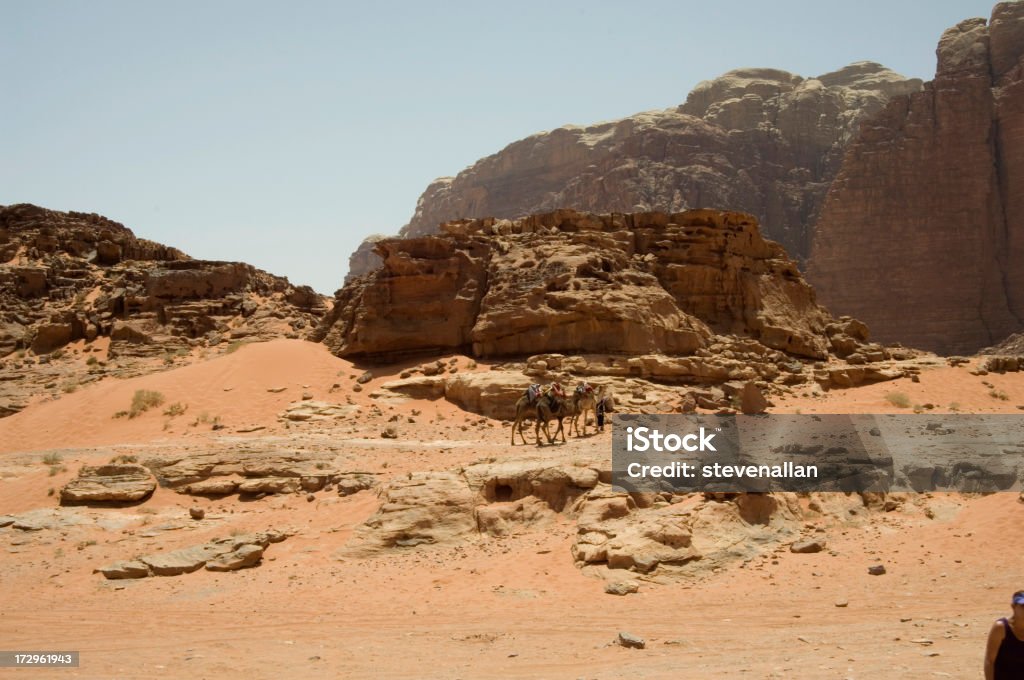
(762, 141)
(922, 233)
(577, 282)
(69, 276)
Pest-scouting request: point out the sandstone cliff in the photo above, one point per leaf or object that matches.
(642, 283)
(922, 233)
(761, 141)
(73, 276)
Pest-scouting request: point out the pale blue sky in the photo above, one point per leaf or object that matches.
(282, 134)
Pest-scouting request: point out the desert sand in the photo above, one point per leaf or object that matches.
(509, 606)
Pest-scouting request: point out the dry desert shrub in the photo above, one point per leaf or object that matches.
(143, 401)
(898, 399)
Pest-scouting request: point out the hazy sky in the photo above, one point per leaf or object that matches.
(282, 134)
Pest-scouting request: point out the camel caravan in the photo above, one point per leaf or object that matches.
(550, 402)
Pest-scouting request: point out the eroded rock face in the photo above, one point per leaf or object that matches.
(928, 204)
(222, 554)
(759, 140)
(578, 282)
(67, 276)
(113, 483)
(246, 472)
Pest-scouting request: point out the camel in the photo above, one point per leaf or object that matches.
(552, 404)
(525, 406)
(584, 399)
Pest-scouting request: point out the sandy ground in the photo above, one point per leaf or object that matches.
(494, 607)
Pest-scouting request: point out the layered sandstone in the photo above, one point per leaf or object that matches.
(565, 281)
(922, 233)
(74, 276)
(762, 141)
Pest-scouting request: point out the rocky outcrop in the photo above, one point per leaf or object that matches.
(222, 554)
(75, 276)
(922, 233)
(249, 473)
(112, 483)
(645, 283)
(759, 140)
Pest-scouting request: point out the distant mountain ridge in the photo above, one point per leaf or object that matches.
(759, 140)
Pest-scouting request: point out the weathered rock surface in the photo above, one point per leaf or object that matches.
(485, 498)
(567, 281)
(650, 535)
(223, 554)
(112, 483)
(928, 203)
(310, 410)
(95, 278)
(426, 508)
(759, 140)
(253, 472)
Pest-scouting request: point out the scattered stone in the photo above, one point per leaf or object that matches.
(876, 570)
(276, 390)
(365, 378)
(622, 588)
(306, 396)
(310, 498)
(842, 603)
(389, 432)
(813, 545)
(631, 641)
(196, 512)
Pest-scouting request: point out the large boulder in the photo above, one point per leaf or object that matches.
(112, 483)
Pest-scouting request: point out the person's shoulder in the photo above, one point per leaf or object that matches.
(998, 626)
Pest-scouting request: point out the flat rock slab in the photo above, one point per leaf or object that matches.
(223, 554)
(114, 483)
(246, 556)
(317, 410)
(126, 569)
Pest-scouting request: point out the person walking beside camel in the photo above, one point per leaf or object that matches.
(1004, 653)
